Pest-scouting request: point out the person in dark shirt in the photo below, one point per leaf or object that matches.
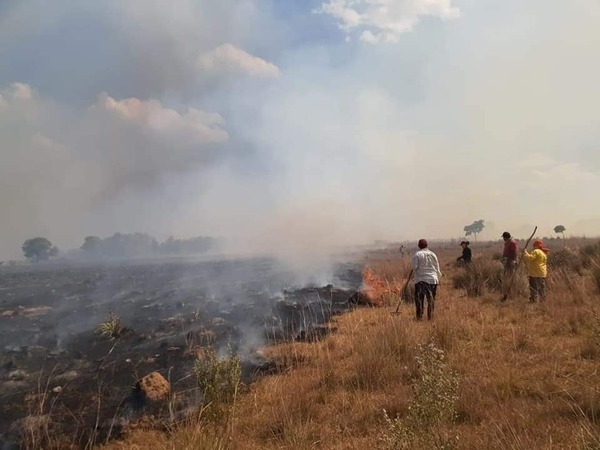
(466, 253)
(509, 256)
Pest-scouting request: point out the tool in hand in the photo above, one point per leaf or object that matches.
(402, 291)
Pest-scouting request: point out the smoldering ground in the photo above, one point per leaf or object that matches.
(168, 313)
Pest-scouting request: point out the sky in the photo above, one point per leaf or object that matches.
(294, 127)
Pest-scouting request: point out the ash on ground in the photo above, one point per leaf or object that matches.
(77, 341)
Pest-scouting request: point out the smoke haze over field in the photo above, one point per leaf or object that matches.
(291, 127)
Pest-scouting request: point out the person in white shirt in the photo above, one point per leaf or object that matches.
(427, 276)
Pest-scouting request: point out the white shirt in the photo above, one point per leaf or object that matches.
(426, 267)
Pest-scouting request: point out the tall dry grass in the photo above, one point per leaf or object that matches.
(480, 277)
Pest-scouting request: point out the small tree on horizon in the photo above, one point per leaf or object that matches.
(39, 249)
(475, 228)
(560, 229)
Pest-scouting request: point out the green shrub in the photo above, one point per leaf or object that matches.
(219, 380)
(436, 393)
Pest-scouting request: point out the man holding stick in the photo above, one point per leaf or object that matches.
(537, 270)
(426, 269)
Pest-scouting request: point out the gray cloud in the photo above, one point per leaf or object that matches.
(59, 165)
(143, 49)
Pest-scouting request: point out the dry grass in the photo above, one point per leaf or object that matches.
(187, 436)
(527, 373)
(480, 277)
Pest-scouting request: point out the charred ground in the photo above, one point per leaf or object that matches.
(56, 366)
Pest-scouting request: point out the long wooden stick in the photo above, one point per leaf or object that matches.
(402, 291)
(512, 278)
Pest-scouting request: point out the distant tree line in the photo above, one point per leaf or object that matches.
(192, 246)
(138, 245)
(120, 246)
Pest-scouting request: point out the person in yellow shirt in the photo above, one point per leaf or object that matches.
(537, 270)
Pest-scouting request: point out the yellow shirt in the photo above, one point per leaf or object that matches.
(536, 263)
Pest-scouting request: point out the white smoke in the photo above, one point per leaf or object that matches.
(199, 117)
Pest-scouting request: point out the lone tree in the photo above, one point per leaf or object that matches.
(39, 249)
(560, 229)
(475, 228)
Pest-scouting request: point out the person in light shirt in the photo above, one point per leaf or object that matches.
(427, 276)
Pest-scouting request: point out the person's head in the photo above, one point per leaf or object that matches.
(422, 243)
(464, 244)
(539, 245)
(506, 236)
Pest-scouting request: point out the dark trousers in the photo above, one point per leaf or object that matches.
(510, 267)
(425, 290)
(537, 288)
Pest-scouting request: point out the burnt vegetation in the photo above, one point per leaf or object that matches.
(88, 353)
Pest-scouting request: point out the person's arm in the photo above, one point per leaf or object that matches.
(528, 256)
(415, 263)
(436, 264)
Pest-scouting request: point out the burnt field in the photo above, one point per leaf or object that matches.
(61, 376)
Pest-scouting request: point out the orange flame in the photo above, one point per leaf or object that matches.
(377, 289)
